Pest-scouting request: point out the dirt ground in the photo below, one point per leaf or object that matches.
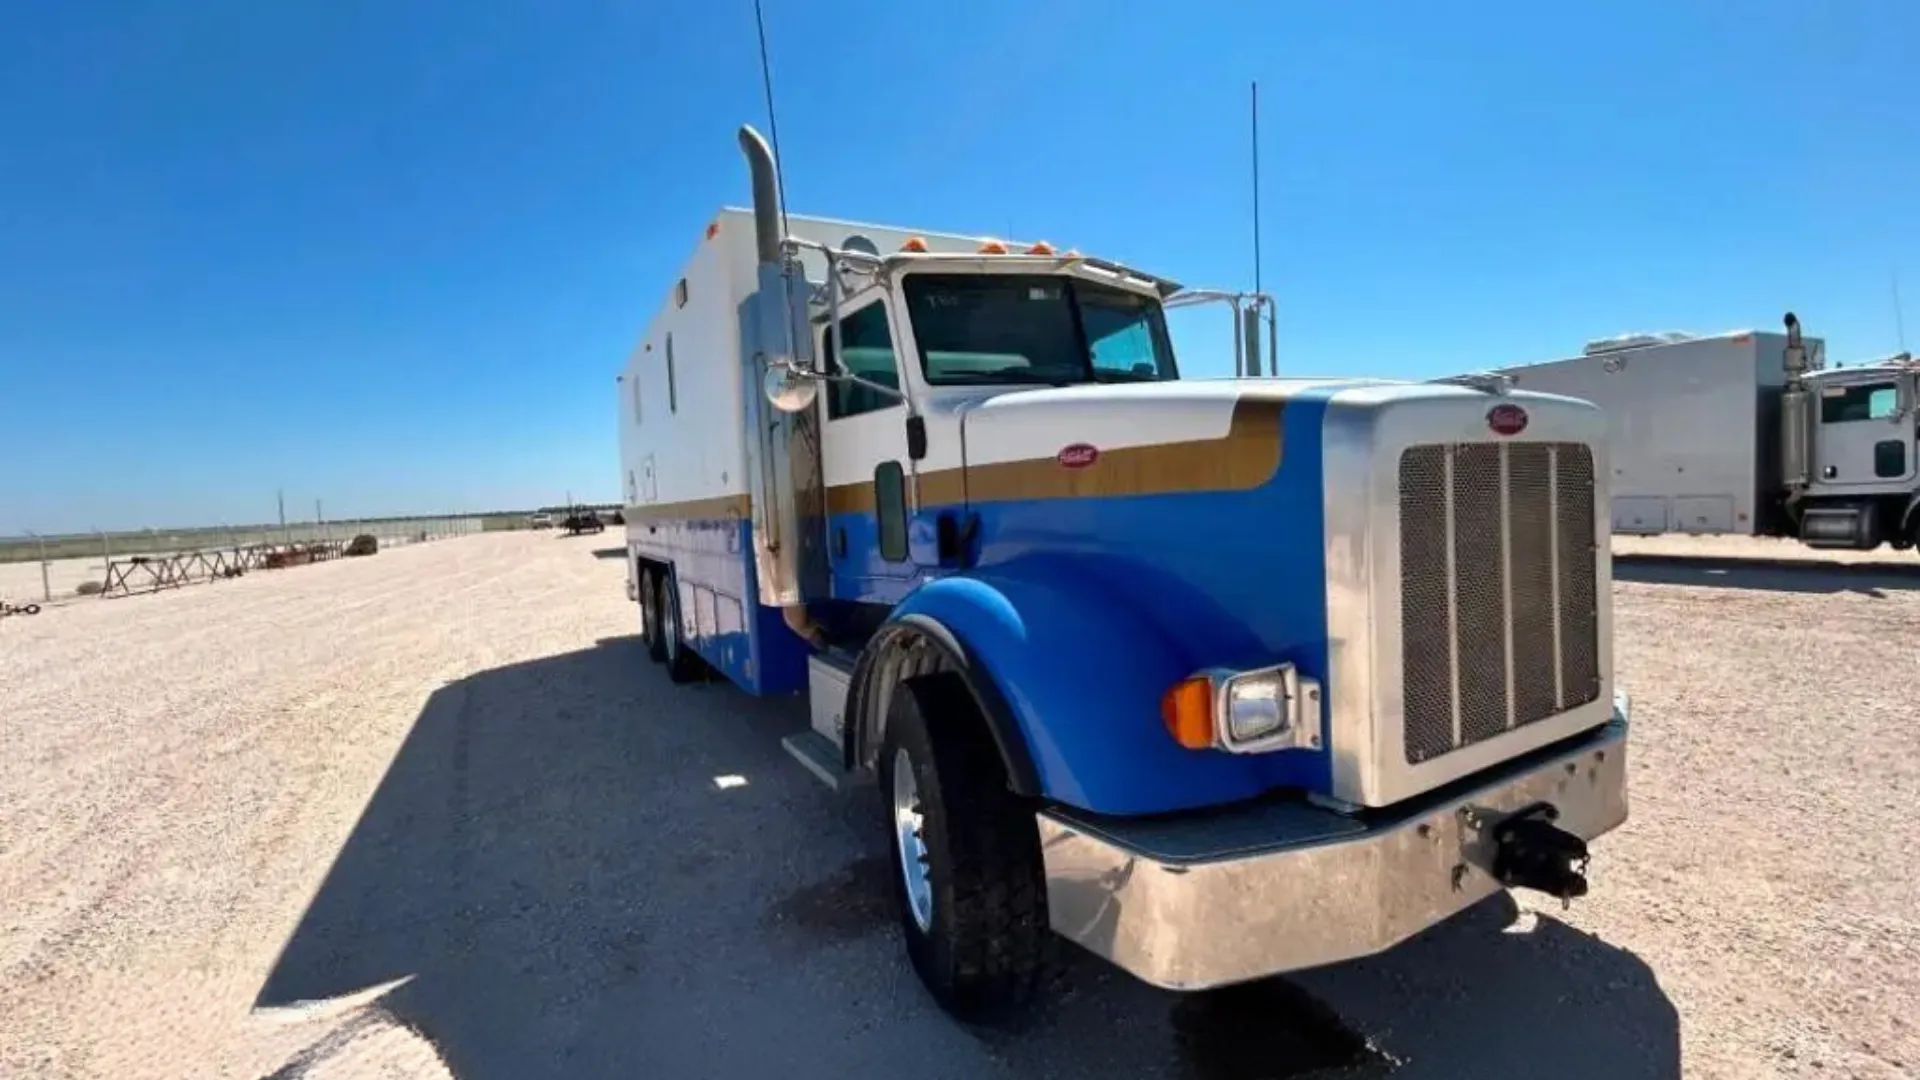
(432, 814)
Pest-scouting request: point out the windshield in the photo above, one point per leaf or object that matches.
(1034, 328)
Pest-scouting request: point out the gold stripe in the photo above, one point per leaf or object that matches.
(717, 507)
(854, 498)
(1246, 457)
(948, 487)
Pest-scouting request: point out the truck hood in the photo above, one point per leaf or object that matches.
(1127, 439)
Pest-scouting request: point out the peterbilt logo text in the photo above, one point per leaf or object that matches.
(1507, 419)
(1078, 456)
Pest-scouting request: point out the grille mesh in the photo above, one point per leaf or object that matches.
(1530, 534)
(1427, 665)
(1495, 540)
(1479, 598)
(1579, 615)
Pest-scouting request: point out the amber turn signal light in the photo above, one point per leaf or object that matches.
(1187, 710)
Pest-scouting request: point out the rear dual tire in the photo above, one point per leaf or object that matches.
(650, 614)
(965, 853)
(660, 615)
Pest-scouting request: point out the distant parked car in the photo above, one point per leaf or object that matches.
(364, 544)
(541, 520)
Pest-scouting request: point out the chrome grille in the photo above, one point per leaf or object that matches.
(1499, 620)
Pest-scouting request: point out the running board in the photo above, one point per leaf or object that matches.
(821, 756)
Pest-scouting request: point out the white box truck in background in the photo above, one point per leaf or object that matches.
(1750, 434)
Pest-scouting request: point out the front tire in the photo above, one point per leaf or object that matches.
(965, 852)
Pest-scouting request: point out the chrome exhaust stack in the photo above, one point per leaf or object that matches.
(787, 488)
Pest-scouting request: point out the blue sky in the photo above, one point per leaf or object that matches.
(391, 255)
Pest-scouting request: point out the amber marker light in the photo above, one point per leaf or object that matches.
(1187, 710)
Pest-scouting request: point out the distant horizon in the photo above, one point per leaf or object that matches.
(291, 523)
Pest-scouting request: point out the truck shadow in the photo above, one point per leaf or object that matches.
(1773, 575)
(574, 869)
(1502, 992)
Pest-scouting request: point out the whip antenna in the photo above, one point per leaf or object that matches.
(773, 124)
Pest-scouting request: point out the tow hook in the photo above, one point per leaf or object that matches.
(1531, 852)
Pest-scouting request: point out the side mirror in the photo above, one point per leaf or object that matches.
(789, 389)
(789, 379)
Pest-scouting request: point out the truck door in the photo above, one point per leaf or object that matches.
(1865, 436)
(863, 452)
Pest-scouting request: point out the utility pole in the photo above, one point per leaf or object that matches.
(285, 536)
(46, 586)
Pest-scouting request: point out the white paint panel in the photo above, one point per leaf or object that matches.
(698, 450)
(1023, 425)
(1703, 514)
(687, 441)
(1641, 515)
(853, 445)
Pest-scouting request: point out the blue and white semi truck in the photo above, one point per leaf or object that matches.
(1215, 678)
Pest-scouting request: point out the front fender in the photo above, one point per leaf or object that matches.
(1082, 670)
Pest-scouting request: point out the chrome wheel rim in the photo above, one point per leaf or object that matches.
(909, 836)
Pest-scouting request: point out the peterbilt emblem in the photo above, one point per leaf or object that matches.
(1078, 456)
(1507, 419)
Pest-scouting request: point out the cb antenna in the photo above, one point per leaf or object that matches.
(1256, 186)
(773, 125)
(1273, 344)
(1899, 318)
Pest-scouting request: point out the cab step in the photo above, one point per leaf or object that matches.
(821, 756)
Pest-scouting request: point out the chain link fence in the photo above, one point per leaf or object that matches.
(61, 569)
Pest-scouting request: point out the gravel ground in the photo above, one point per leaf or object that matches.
(432, 814)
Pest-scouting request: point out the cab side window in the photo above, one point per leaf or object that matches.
(1870, 401)
(866, 350)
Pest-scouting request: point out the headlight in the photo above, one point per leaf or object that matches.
(1254, 706)
(1245, 712)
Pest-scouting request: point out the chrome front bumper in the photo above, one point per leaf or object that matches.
(1218, 898)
